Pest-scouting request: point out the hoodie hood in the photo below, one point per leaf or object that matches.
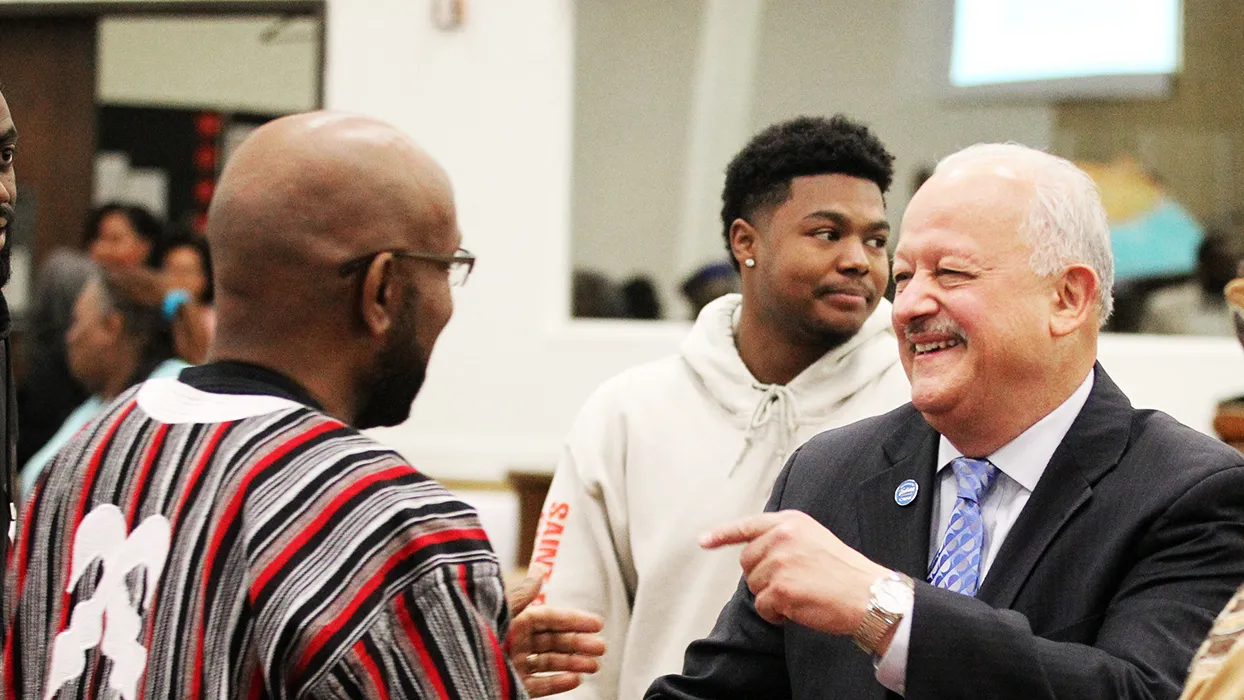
(710, 352)
(810, 399)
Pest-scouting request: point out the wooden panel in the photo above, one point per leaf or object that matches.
(532, 488)
(47, 69)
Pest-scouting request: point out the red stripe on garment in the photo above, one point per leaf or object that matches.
(88, 481)
(421, 648)
(23, 545)
(321, 520)
(140, 488)
(226, 521)
(209, 451)
(503, 669)
(256, 691)
(328, 630)
(373, 671)
(462, 580)
(22, 553)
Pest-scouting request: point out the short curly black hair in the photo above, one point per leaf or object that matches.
(760, 175)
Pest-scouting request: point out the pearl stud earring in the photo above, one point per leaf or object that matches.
(750, 262)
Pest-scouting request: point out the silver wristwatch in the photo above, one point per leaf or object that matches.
(890, 598)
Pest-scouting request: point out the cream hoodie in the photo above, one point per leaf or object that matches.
(668, 450)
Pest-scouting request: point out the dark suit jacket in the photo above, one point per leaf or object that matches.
(1130, 544)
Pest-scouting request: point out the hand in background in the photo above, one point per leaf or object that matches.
(194, 327)
(550, 647)
(141, 285)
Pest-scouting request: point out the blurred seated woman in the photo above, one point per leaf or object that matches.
(113, 343)
(116, 237)
(188, 267)
(183, 290)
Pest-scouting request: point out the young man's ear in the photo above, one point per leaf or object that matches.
(743, 240)
(1074, 299)
(377, 295)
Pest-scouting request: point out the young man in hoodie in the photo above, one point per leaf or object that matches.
(670, 449)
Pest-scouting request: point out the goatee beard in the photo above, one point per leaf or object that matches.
(398, 375)
(6, 267)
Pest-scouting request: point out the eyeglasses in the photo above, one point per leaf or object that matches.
(459, 264)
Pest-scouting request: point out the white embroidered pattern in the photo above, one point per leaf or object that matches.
(108, 619)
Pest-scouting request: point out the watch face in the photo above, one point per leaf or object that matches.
(893, 595)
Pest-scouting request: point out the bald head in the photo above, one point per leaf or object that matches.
(318, 188)
(305, 194)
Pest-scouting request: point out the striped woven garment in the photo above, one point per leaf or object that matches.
(196, 544)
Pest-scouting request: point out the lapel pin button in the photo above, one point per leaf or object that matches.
(906, 492)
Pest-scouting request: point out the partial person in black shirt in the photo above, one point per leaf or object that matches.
(8, 411)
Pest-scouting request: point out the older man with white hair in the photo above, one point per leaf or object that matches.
(1019, 530)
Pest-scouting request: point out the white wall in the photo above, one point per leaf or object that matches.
(220, 63)
(634, 63)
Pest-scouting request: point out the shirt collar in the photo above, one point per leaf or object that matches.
(232, 377)
(1024, 459)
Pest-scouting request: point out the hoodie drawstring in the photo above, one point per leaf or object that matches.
(776, 402)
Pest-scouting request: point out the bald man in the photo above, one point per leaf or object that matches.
(230, 533)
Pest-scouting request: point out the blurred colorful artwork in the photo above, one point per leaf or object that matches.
(1151, 234)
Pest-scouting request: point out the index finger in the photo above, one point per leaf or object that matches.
(739, 531)
(546, 619)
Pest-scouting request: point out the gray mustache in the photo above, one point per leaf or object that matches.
(942, 326)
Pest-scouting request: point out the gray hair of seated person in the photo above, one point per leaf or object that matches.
(1066, 224)
(145, 324)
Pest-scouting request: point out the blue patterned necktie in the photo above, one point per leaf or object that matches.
(957, 566)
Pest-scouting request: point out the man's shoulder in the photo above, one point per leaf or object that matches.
(873, 431)
(646, 377)
(854, 450)
(1159, 441)
(635, 387)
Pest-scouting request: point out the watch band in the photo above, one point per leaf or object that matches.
(879, 619)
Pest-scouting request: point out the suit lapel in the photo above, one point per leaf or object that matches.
(893, 535)
(1091, 448)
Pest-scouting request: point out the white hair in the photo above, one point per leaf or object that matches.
(1066, 224)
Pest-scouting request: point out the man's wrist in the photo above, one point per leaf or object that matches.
(891, 598)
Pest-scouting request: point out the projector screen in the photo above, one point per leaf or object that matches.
(1065, 48)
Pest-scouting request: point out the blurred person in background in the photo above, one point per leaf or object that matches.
(642, 300)
(48, 392)
(1217, 671)
(1197, 307)
(183, 290)
(116, 237)
(708, 283)
(189, 296)
(113, 343)
(124, 235)
(594, 295)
